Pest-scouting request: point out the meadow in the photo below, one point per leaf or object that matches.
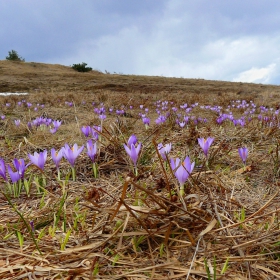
(145, 179)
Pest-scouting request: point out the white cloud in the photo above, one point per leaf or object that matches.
(129, 51)
(223, 59)
(257, 75)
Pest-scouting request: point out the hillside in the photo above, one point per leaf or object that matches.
(106, 176)
(34, 77)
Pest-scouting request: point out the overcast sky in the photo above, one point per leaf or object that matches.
(235, 40)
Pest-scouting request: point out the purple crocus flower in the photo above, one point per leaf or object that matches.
(47, 122)
(133, 152)
(205, 144)
(91, 149)
(57, 156)
(182, 170)
(17, 122)
(102, 109)
(146, 121)
(102, 116)
(71, 154)
(29, 125)
(86, 130)
(32, 226)
(120, 112)
(243, 153)
(96, 110)
(20, 166)
(3, 169)
(160, 119)
(132, 140)
(53, 130)
(39, 159)
(57, 124)
(15, 176)
(70, 104)
(164, 150)
(182, 124)
(95, 131)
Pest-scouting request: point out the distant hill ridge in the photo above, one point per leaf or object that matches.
(33, 76)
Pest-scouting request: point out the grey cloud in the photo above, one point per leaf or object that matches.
(40, 27)
(206, 39)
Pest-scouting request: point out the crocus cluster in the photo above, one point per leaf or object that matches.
(39, 160)
(56, 125)
(71, 154)
(91, 131)
(41, 122)
(238, 113)
(14, 175)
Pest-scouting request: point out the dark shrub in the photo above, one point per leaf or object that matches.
(81, 67)
(13, 55)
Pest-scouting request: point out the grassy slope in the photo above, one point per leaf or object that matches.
(28, 76)
(157, 238)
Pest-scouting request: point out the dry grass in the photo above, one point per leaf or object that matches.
(126, 227)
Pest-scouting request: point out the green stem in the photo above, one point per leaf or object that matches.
(207, 164)
(136, 171)
(182, 190)
(95, 169)
(73, 173)
(58, 174)
(26, 224)
(165, 165)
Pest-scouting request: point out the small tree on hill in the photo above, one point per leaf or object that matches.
(81, 67)
(13, 55)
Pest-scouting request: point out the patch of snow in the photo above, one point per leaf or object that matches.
(12, 93)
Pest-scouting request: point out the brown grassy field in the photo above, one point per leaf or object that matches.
(120, 225)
